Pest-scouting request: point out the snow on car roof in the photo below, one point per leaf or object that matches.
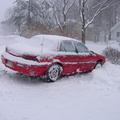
(50, 42)
(52, 37)
(37, 45)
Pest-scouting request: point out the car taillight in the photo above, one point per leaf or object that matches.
(28, 57)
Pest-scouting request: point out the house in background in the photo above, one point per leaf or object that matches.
(115, 32)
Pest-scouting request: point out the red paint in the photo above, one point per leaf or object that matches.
(71, 62)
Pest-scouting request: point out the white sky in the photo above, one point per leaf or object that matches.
(4, 5)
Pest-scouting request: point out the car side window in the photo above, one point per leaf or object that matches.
(81, 48)
(62, 48)
(67, 46)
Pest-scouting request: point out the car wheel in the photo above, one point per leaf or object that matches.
(53, 72)
(98, 65)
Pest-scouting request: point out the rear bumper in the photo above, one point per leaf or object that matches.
(21, 65)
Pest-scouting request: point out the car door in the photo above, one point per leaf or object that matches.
(68, 57)
(85, 58)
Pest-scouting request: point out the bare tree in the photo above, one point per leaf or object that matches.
(62, 12)
(88, 12)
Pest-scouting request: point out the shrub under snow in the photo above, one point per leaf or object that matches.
(112, 52)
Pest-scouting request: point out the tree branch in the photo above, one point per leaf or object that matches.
(70, 6)
(96, 13)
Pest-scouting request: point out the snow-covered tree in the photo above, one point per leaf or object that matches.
(61, 16)
(47, 15)
(29, 14)
(63, 8)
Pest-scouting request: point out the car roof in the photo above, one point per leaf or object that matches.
(51, 42)
(53, 37)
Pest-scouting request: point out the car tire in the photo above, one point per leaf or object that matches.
(98, 65)
(53, 72)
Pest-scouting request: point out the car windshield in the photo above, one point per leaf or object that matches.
(44, 43)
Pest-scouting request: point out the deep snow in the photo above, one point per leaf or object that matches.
(91, 96)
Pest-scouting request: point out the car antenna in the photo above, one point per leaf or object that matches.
(42, 44)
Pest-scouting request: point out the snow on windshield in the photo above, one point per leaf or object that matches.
(50, 42)
(37, 45)
(34, 46)
(45, 42)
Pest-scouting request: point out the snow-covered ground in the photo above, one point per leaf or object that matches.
(91, 96)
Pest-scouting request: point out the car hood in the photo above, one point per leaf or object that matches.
(19, 49)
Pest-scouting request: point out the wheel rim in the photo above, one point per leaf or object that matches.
(53, 72)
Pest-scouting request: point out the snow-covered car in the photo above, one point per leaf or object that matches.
(50, 56)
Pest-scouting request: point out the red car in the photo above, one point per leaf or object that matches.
(51, 56)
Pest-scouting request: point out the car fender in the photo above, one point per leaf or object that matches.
(57, 61)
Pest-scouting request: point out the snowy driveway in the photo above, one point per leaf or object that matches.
(92, 96)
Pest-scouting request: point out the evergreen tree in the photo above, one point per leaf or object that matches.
(28, 14)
